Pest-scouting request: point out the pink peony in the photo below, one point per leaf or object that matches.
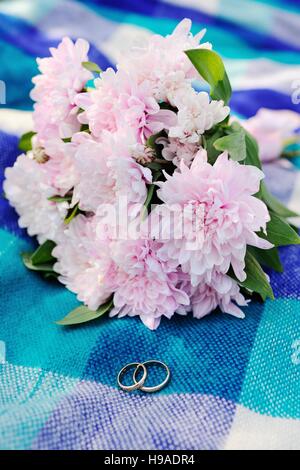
(27, 188)
(145, 285)
(272, 130)
(60, 165)
(84, 261)
(209, 216)
(96, 266)
(221, 291)
(108, 172)
(118, 102)
(62, 78)
(162, 61)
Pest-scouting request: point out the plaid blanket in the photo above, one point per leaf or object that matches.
(235, 383)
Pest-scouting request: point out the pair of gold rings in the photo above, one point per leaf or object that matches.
(138, 384)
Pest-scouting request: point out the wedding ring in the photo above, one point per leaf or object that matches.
(137, 384)
(154, 388)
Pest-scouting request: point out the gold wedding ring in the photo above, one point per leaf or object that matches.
(139, 384)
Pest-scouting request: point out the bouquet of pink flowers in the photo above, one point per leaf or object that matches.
(145, 198)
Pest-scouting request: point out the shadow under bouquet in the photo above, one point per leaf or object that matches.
(146, 198)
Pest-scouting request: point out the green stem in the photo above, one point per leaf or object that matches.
(160, 160)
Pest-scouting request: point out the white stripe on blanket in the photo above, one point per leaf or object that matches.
(15, 122)
(262, 73)
(253, 431)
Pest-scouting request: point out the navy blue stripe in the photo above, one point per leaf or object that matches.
(155, 8)
(24, 36)
(248, 102)
(32, 41)
(292, 2)
(8, 153)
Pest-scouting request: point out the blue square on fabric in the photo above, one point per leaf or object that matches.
(206, 356)
(272, 381)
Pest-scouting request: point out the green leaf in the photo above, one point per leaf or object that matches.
(60, 198)
(25, 141)
(151, 141)
(234, 144)
(155, 166)
(51, 275)
(150, 194)
(256, 280)
(208, 140)
(275, 205)
(46, 267)
(91, 66)
(84, 128)
(235, 140)
(43, 254)
(41, 259)
(252, 151)
(280, 233)
(82, 314)
(269, 258)
(252, 155)
(71, 214)
(67, 140)
(211, 68)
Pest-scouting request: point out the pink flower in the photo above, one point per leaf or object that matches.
(209, 217)
(272, 128)
(95, 267)
(162, 61)
(28, 189)
(176, 151)
(62, 78)
(145, 285)
(118, 102)
(221, 292)
(108, 172)
(60, 165)
(196, 114)
(84, 261)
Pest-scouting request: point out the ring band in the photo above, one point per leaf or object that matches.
(155, 388)
(137, 384)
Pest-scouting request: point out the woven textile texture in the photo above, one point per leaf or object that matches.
(235, 383)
